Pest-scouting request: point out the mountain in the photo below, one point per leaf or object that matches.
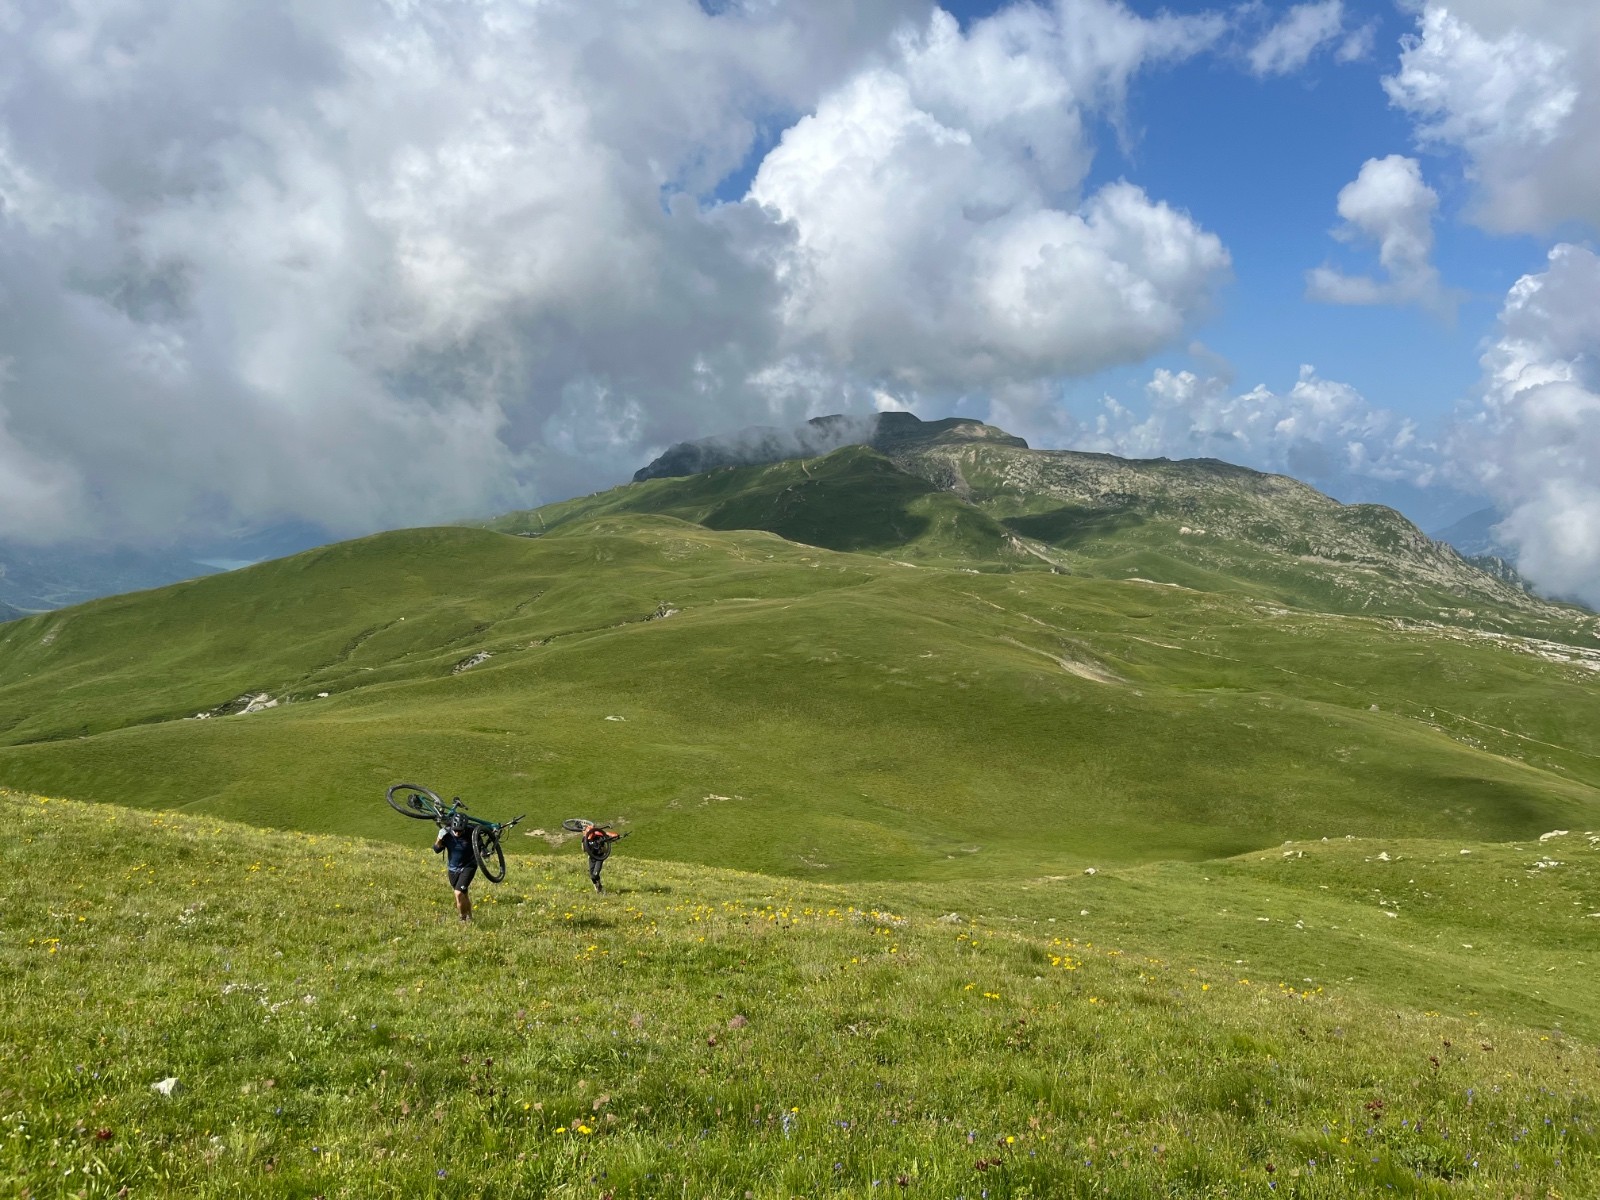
(40, 578)
(762, 445)
(937, 752)
(35, 578)
(741, 698)
(1473, 535)
(960, 491)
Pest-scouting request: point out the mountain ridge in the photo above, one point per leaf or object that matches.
(762, 445)
(986, 496)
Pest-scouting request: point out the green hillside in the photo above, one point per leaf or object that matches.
(1004, 825)
(1330, 1020)
(960, 492)
(854, 499)
(743, 700)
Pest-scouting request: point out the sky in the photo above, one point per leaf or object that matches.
(346, 265)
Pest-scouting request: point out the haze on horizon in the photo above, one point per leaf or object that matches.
(355, 265)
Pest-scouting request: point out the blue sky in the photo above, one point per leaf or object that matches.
(1260, 161)
(261, 266)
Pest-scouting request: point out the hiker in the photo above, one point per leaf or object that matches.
(455, 841)
(597, 843)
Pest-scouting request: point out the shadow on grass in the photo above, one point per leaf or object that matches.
(1072, 525)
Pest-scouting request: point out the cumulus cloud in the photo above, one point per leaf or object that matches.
(1319, 430)
(372, 265)
(1304, 29)
(381, 264)
(1516, 89)
(1533, 442)
(1387, 204)
(940, 238)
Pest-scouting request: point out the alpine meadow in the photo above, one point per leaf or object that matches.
(1003, 823)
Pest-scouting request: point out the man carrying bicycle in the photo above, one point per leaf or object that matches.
(597, 843)
(455, 842)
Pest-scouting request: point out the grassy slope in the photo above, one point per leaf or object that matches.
(1196, 523)
(335, 1032)
(854, 499)
(910, 721)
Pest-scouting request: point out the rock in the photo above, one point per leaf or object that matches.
(1554, 833)
(1091, 871)
(166, 1086)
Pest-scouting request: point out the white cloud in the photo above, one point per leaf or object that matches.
(1515, 88)
(1304, 30)
(1534, 441)
(1319, 430)
(939, 236)
(1357, 45)
(1390, 205)
(369, 265)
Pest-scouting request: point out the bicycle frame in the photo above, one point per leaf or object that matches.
(457, 811)
(423, 804)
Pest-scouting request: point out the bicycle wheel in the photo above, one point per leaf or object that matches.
(414, 800)
(576, 824)
(491, 859)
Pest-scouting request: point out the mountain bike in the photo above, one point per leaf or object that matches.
(414, 800)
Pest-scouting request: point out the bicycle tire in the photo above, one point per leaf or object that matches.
(491, 858)
(412, 803)
(576, 824)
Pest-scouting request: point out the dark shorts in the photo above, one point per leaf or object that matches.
(461, 877)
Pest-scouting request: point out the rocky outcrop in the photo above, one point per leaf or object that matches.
(890, 432)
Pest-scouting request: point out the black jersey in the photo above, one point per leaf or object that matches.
(458, 845)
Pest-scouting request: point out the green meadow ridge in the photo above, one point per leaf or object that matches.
(973, 682)
(1336, 1019)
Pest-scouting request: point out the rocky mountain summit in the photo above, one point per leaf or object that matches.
(958, 493)
(888, 433)
(1215, 515)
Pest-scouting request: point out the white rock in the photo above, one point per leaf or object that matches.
(166, 1086)
(616, 718)
(1383, 856)
(1090, 871)
(1554, 833)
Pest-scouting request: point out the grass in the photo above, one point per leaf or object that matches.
(699, 1031)
(953, 874)
(912, 722)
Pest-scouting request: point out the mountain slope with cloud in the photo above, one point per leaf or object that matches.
(961, 491)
